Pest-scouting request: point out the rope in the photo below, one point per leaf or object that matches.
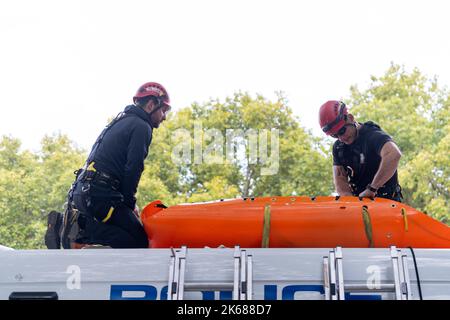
(266, 227)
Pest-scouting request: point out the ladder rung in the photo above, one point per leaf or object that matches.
(210, 286)
(363, 288)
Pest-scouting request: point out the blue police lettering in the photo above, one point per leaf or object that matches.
(117, 292)
(149, 292)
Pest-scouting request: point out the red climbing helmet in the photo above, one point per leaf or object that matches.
(153, 89)
(332, 116)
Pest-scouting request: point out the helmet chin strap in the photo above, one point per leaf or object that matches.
(158, 106)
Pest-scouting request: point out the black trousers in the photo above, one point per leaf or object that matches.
(104, 219)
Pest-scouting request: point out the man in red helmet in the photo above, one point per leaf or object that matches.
(102, 199)
(365, 158)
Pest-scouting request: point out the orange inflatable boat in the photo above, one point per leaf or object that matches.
(281, 222)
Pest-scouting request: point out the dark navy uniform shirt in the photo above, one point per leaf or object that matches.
(362, 158)
(123, 150)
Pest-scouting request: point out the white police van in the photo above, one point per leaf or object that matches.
(226, 273)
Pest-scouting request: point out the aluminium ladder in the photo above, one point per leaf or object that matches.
(242, 285)
(334, 277)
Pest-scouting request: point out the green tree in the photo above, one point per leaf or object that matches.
(217, 188)
(213, 142)
(58, 160)
(31, 185)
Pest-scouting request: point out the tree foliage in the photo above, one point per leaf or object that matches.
(31, 185)
(228, 149)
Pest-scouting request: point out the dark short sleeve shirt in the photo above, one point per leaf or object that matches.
(362, 158)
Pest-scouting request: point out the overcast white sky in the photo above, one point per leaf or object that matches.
(67, 66)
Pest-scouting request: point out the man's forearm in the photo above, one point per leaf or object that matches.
(341, 182)
(343, 189)
(388, 166)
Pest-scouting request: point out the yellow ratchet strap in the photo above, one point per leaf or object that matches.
(266, 227)
(367, 225)
(405, 219)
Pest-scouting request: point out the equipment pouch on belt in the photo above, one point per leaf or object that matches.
(101, 201)
(70, 228)
(97, 195)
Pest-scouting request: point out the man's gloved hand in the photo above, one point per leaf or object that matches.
(367, 194)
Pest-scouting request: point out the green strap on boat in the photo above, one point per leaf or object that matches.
(266, 227)
(367, 225)
(405, 219)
